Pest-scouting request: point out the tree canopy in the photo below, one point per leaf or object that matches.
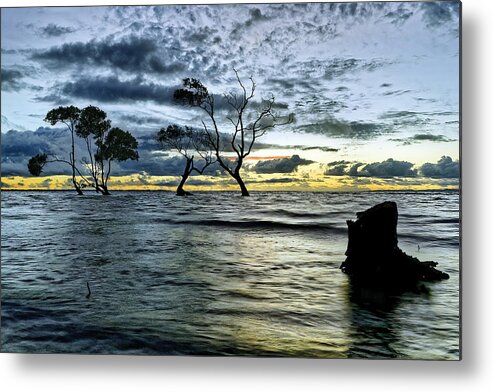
(188, 143)
(104, 144)
(36, 164)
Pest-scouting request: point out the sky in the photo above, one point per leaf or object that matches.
(373, 89)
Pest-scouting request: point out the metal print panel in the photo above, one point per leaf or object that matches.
(251, 180)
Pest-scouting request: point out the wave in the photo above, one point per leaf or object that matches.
(259, 224)
(446, 220)
(417, 238)
(294, 214)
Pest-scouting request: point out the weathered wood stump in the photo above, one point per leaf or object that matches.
(373, 255)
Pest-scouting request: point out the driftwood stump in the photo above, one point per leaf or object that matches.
(373, 255)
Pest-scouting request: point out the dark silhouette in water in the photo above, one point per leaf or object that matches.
(112, 144)
(373, 256)
(88, 290)
(248, 125)
(186, 142)
(69, 115)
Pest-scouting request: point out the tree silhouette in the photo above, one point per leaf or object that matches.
(104, 145)
(186, 142)
(110, 144)
(248, 125)
(119, 145)
(36, 164)
(68, 115)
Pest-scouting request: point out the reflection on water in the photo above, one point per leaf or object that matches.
(217, 274)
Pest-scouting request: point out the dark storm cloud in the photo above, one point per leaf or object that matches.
(15, 143)
(396, 92)
(156, 165)
(200, 35)
(18, 147)
(353, 169)
(12, 80)
(337, 168)
(324, 149)
(341, 129)
(405, 118)
(335, 68)
(131, 54)
(388, 168)
(444, 168)
(400, 15)
(423, 137)
(54, 98)
(112, 89)
(8, 51)
(259, 105)
(281, 165)
(317, 104)
(272, 146)
(398, 114)
(140, 119)
(283, 83)
(256, 16)
(153, 165)
(437, 13)
(385, 169)
(53, 30)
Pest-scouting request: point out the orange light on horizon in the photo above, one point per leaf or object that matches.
(267, 158)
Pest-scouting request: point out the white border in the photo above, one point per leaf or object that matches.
(95, 373)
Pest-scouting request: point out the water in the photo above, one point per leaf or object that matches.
(218, 274)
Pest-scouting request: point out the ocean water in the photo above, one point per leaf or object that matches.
(218, 274)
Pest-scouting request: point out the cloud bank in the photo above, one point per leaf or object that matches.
(444, 168)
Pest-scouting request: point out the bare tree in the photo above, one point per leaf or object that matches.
(247, 125)
(187, 143)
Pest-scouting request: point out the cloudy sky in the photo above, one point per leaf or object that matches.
(373, 87)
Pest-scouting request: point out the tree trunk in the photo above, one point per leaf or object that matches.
(74, 179)
(244, 190)
(186, 173)
(104, 190)
(77, 188)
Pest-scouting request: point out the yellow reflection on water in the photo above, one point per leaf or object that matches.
(274, 299)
